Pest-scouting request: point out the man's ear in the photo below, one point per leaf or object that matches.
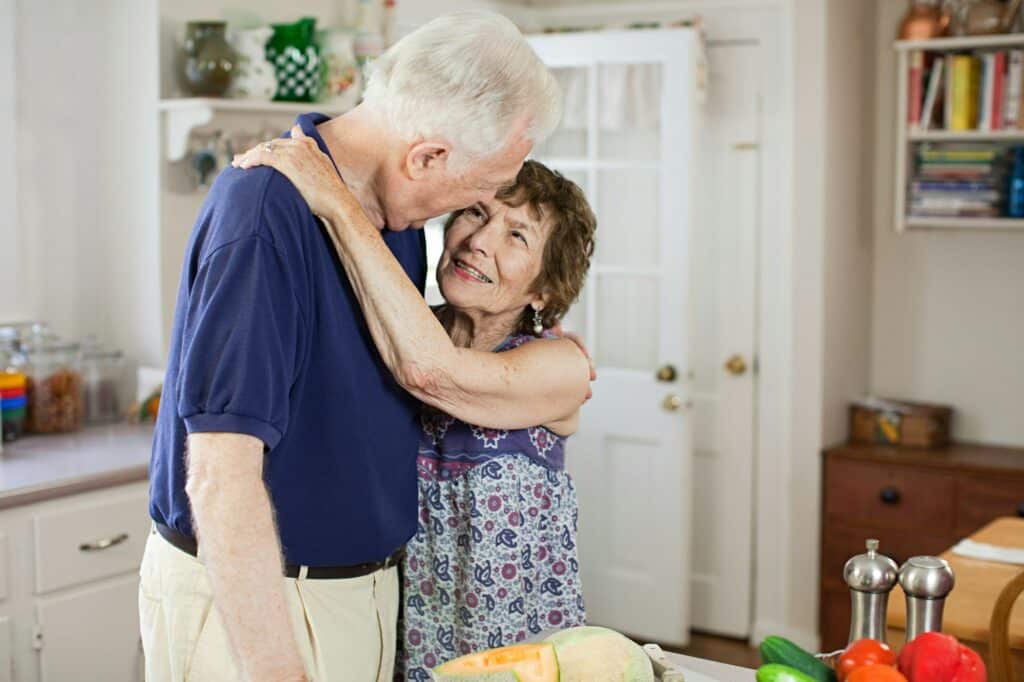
(426, 157)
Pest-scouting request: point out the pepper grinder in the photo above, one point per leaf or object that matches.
(926, 580)
(870, 576)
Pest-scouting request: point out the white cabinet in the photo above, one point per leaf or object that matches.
(91, 633)
(5, 650)
(69, 587)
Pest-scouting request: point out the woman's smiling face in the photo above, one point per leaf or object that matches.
(492, 255)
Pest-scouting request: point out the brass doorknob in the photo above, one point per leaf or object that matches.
(666, 373)
(736, 365)
(672, 402)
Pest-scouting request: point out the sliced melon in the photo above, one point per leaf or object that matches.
(516, 663)
(595, 654)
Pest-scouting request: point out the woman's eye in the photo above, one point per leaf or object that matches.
(520, 236)
(476, 213)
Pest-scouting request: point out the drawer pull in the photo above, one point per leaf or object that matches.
(890, 495)
(105, 543)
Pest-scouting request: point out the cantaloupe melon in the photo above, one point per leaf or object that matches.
(516, 663)
(595, 654)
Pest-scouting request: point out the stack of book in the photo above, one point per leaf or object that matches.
(958, 181)
(966, 91)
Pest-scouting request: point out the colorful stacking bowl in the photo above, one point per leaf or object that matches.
(13, 403)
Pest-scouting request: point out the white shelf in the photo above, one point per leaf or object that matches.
(964, 135)
(960, 43)
(917, 222)
(183, 114)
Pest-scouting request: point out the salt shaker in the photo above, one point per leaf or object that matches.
(871, 577)
(926, 580)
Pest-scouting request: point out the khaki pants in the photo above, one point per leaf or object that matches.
(345, 628)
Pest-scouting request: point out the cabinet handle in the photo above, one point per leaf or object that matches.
(105, 543)
(890, 495)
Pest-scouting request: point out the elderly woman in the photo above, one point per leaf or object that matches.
(494, 558)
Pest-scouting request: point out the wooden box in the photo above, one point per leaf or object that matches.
(914, 425)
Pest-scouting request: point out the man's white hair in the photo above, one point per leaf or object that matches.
(468, 78)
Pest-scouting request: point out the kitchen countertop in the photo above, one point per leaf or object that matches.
(37, 468)
(715, 671)
(42, 467)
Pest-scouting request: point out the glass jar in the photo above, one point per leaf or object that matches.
(102, 383)
(54, 387)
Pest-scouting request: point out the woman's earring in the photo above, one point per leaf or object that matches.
(538, 326)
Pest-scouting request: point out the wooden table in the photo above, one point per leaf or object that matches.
(978, 584)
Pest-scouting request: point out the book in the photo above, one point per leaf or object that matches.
(947, 95)
(950, 171)
(934, 81)
(984, 95)
(984, 198)
(951, 186)
(956, 155)
(1014, 75)
(965, 92)
(915, 86)
(998, 81)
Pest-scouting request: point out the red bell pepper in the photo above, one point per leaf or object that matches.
(935, 657)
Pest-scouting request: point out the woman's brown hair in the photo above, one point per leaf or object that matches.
(554, 199)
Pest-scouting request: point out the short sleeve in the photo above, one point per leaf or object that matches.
(241, 344)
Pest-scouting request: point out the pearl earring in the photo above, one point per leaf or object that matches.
(538, 326)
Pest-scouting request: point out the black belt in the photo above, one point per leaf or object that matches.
(188, 545)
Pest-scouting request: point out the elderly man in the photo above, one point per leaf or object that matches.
(276, 407)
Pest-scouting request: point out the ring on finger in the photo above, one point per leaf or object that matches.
(268, 147)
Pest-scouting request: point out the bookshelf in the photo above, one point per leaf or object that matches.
(910, 138)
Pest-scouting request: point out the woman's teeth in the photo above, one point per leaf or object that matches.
(473, 272)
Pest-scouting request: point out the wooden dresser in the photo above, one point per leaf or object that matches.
(913, 501)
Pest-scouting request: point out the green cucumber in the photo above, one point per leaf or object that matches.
(780, 650)
(776, 672)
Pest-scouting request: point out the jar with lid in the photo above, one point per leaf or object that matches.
(54, 387)
(102, 383)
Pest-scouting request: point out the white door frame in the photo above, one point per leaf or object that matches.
(776, 326)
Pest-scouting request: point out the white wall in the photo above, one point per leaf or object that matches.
(15, 303)
(948, 316)
(831, 268)
(86, 132)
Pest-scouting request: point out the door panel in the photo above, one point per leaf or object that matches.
(724, 271)
(632, 96)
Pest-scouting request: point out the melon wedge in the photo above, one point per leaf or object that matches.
(596, 654)
(516, 663)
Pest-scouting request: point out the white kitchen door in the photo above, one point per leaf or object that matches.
(628, 137)
(724, 284)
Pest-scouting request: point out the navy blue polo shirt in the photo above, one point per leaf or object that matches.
(269, 340)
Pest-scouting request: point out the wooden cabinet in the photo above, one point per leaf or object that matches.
(913, 501)
(69, 587)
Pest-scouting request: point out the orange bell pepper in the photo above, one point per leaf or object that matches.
(876, 672)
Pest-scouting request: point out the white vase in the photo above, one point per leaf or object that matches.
(342, 83)
(254, 76)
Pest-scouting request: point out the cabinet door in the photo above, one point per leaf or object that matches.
(91, 634)
(5, 650)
